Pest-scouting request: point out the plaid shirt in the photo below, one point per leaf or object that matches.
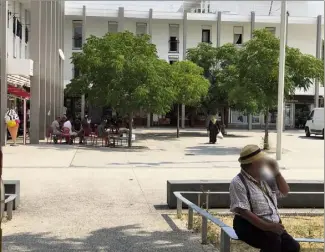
(261, 203)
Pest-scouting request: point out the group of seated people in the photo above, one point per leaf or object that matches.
(82, 128)
(61, 124)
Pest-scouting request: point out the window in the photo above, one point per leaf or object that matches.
(76, 72)
(112, 27)
(77, 34)
(19, 29)
(238, 117)
(141, 29)
(271, 29)
(206, 35)
(26, 35)
(173, 37)
(238, 35)
(14, 21)
(172, 62)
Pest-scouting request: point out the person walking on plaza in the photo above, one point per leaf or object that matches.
(253, 199)
(213, 129)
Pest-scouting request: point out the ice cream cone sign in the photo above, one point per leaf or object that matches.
(12, 121)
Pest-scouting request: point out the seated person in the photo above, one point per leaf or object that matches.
(253, 199)
(102, 133)
(67, 124)
(55, 126)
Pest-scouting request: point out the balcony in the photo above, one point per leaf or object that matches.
(77, 42)
(173, 46)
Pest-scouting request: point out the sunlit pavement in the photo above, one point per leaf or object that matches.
(101, 199)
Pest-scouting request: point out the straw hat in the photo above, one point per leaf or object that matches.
(250, 153)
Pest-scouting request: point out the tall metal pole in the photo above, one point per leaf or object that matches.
(281, 80)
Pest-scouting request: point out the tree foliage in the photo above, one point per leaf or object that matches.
(190, 84)
(123, 70)
(256, 89)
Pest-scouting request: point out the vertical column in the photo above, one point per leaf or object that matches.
(84, 23)
(219, 29)
(184, 58)
(3, 69)
(287, 26)
(35, 79)
(53, 57)
(250, 116)
(43, 79)
(57, 56)
(58, 88)
(120, 27)
(150, 33)
(318, 55)
(49, 63)
(62, 48)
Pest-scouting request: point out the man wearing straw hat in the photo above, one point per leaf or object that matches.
(253, 199)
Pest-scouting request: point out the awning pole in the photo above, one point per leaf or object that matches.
(25, 124)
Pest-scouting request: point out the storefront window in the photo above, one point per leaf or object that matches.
(256, 119)
(272, 116)
(238, 117)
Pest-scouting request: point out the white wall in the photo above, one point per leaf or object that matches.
(301, 36)
(14, 42)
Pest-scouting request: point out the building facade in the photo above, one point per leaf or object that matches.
(31, 35)
(174, 33)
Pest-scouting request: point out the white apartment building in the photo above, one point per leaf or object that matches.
(175, 32)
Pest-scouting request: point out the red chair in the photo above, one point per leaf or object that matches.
(66, 134)
(87, 135)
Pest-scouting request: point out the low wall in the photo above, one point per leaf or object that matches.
(312, 198)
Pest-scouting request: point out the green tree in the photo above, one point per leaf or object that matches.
(256, 89)
(218, 64)
(190, 84)
(123, 71)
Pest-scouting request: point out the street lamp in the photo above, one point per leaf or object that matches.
(283, 31)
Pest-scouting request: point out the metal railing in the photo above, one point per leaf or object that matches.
(227, 232)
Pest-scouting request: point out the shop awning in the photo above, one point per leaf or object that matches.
(19, 92)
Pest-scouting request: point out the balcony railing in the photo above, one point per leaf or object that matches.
(174, 46)
(77, 42)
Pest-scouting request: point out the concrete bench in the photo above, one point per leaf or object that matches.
(13, 187)
(304, 194)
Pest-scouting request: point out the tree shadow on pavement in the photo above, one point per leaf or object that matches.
(118, 239)
(214, 150)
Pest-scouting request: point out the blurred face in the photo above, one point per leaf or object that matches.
(258, 166)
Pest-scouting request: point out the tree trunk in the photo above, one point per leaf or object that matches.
(130, 130)
(266, 145)
(177, 121)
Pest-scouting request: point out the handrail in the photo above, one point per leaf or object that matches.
(227, 232)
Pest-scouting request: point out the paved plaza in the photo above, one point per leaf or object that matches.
(102, 199)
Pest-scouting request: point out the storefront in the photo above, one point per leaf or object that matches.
(296, 112)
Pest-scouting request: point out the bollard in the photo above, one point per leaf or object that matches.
(179, 208)
(190, 219)
(224, 242)
(204, 230)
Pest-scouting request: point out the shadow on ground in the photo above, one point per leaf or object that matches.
(214, 150)
(172, 135)
(123, 238)
(312, 137)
